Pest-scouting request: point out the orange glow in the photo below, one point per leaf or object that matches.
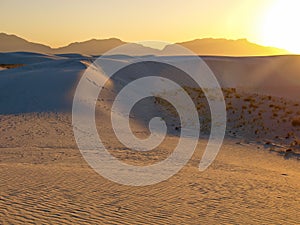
(280, 25)
(60, 22)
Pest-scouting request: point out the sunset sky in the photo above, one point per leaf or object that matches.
(59, 22)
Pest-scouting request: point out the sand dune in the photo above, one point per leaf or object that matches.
(44, 83)
(273, 75)
(44, 178)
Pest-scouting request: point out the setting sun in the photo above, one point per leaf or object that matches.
(280, 25)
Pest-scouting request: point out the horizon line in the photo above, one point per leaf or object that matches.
(139, 42)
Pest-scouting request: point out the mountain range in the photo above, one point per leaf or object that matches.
(206, 46)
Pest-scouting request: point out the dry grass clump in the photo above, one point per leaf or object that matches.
(252, 105)
(237, 96)
(296, 122)
(11, 66)
(248, 99)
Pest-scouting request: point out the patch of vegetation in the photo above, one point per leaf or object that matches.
(11, 66)
(296, 122)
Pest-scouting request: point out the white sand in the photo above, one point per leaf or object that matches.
(45, 180)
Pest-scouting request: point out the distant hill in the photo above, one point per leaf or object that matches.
(91, 47)
(98, 47)
(207, 46)
(224, 47)
(13, 43)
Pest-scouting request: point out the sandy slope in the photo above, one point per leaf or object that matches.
(44, 178)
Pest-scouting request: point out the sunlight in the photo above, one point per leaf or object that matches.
(280, 26)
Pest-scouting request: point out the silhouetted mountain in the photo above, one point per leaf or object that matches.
(13, 43)
(241, 47)
(207, 46)
(98, 47)
(91, 47)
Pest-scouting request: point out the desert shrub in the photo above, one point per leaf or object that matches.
(248, 99)
(253, 105)
(296, 122)
(11, 66)
(289, 135)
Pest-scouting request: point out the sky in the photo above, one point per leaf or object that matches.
(60, 22)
